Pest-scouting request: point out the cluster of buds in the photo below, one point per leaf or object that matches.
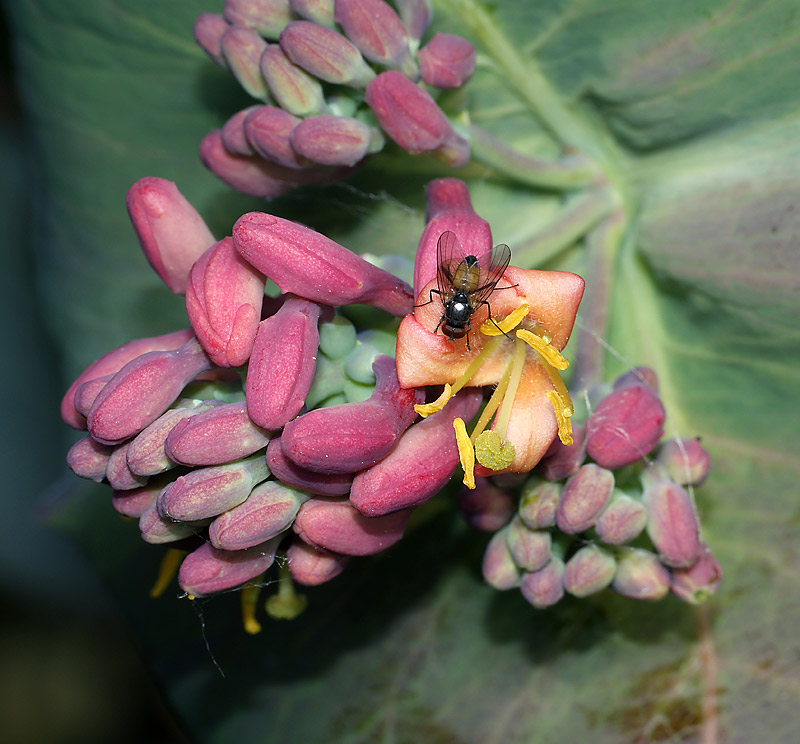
(333, 77)
(615, 508)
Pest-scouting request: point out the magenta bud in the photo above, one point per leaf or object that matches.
(412, 119)
(334, 140)
(288, 472)
(234, 136)
(377, 31)
(318, 11)
(268, 17)
(672, 522)
(208, 570)
(312, 566)
(625, 426)
(110, 363)
(498, 568)
(223, 301)
(416, 15)
(282, 366)
(87, 393)
(269, 510)
(146, 453)
(136, 502)
(142, 390)
(529, 548)
(88, 459)
(539, 502)
(215, 436)
(159, 531)
(291, 86)
(590, 570)
(698, 582)
(686, 461)
(623, 520)
(351, 437)
(545, 587)
(583, 499)
(410, 475)
(208, 31)
(242, 48)
(486, 507)
(267, 129)
(207, 492)
(446, 61)
(119, 475)
(561, 461)
(640, 575)
(325, 54)
(303, 262)
(171, 232)
(339, 527)
(637, 376)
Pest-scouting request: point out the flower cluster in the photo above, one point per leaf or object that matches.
(334, 77)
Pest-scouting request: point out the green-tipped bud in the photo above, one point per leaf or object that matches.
(293, 88)
(242, 49)
(337, 338)
(537, 507)
(268, 17)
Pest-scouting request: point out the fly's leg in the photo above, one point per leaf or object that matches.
(492, 319)
(430, 295)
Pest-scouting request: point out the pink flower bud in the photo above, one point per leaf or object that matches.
(142, 390)
(545, 587)
(88, 459)
(268, 17)
(268, 128)
(672, 522)
(353, 436)
(686, 461)
(288, 472)
(446, 61)
(539, 502)
(269, 510)
(377, 31)
(583, 499)
(207, 492)
(590, 570)
(111, 363)
(419, 466)
(282, 366)
(215, 436)
(136, 502)
(622, 521)
(416, 15)
(339, 527)
(638, 376)
(223, 301)
(293, 88)
(234, 137)
(412, 119)
(312, 566)
(208, 31)
(242, 48)
(119, 475)
(333, 140)
(325, 54)
(529, 548)
(171, 232)
(303, 262)
(486, 507)
(87, 393)
(208, 570)
(318, 11)
(698, 582)
(561, 461)
(625, 426)
(159, 531)
(498, 568)
(640, 575)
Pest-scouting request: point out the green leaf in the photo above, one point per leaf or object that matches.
(691, 111)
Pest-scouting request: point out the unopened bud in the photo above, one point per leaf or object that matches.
(318, 11)
(88, 459)
(640, 575)
(416, 15)
(268, 128)
(268, 17)
(539, 502)
(242, 48)
(561, 460)
(672, 522)
(87, 393)
(312, 566)
(529, 548)
(698, 582)
(686, 461)
(159, 531)
(590, 570)
(119, 475)
(623, 520)
(637, 376)
(291, 86)
(234, 136)
(498, 568)
(583, 499)
(446, 61)
(208, 31)
(545, 587)
(290, 473)
(334, 140)
(486, 507)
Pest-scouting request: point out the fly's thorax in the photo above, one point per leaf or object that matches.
(466, 277)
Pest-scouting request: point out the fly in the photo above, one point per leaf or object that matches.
(464, 283)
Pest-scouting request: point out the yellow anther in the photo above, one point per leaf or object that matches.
(166, 572)
(426, 409)
(563, 414)
(493, 452)
(543, 348)
(249, 598)
(497, 327)
(466, 453)
(287, 604)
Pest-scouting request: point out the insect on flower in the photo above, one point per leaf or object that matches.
(465, 283)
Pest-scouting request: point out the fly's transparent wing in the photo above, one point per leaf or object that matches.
(490, 274)
(448, 256)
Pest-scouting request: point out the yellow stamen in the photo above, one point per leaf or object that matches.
(544, 349)
(166, 572)
(287, 604)
(250, 592)
(466, 453)
(492, 405)
(562, 404)
(493, 452)
(426, 409)
(491, 327)
(517, 365)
